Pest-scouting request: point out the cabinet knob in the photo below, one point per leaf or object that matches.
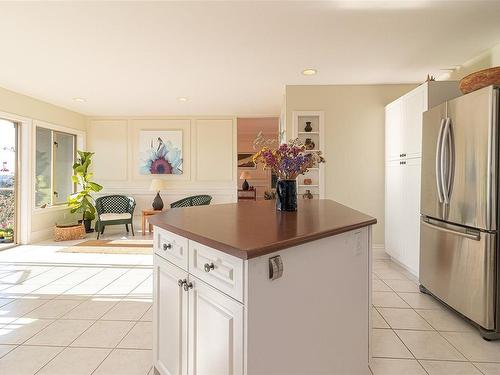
(209, 267)
(181, 282)
(187, 286)
(167, 246)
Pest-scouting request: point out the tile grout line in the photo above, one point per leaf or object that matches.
(69, 345)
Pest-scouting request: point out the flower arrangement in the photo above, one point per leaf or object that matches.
(289, 160)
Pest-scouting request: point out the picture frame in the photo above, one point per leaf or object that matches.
(245, 160)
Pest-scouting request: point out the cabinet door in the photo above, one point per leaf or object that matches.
(394, 204)
(215, 332)
(393, 130)
(170, 312)
(413, 108)
(411, 214)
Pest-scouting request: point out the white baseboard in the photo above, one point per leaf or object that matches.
(41, 235)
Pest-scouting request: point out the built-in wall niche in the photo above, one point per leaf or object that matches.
(308, 126)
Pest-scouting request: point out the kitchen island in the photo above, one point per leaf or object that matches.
(243, 289)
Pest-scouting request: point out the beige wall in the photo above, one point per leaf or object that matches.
(354, 141)
(487, 59)
(33, 224)
(209, 158)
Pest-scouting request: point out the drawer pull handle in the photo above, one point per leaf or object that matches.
(209, 267)
(167, 246)
(188, 286)
(181, 282)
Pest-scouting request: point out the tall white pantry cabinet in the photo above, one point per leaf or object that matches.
(403, 153)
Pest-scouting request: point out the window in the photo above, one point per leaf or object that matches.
(55, 155)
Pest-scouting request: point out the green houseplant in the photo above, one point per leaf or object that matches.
(82, 201)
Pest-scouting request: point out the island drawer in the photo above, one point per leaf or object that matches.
(171, 247)
(218, 269)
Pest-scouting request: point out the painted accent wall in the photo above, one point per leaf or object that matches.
(209, 161)
(36, 224)
(248, 129)
(354, 141)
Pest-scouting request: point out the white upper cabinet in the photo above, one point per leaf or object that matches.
(403, 118)
(393, 130)
(414, 104)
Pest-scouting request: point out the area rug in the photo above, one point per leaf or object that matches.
(111, 247)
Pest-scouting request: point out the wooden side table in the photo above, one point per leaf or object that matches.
(145, 215)
(247, 194)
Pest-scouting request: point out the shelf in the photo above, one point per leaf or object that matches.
(308, 185)
(308, 132)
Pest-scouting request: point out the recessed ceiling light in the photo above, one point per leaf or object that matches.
(182, 99)
(80, 100)
(309, 72)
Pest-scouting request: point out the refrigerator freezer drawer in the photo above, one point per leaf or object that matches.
(458, 267)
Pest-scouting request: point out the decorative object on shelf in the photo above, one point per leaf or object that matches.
(82, 201)
(269, 195)
(430, 78)
(309, 144)
(245, 160)
(160, 151)
(244, 175)
(157, 184)
(308, 127)
(288, 162)
(480, 79)
(307, 181)
(307, 195)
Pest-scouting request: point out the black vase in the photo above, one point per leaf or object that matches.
(286, 195)
(308, 127)
(157, 202)
(245, 186)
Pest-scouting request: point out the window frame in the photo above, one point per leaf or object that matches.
(78, 143)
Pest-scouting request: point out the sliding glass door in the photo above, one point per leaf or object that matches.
(8, 182)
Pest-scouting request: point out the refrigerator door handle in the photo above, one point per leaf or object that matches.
(446, 161)
(467, 233)
(439, 151)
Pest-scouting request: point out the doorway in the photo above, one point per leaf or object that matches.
(8, 183)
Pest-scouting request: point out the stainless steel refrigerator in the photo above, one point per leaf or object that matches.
(459, 260)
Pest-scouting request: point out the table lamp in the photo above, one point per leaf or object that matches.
(244, 175)
(157, 184)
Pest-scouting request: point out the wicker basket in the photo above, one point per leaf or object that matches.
(68, 233)
(480, 79)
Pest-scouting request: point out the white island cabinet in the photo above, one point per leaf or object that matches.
(295, 299)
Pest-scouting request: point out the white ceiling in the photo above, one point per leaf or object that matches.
(136, 58)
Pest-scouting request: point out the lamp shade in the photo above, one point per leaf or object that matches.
(157, 184)
(244, 175)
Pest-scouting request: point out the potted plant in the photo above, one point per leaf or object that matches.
(82, 201)
(288, 161)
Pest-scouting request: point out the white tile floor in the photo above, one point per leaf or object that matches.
(82, 314)
(415, 335)
(74, 314)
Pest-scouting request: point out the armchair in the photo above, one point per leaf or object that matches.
(114, 210)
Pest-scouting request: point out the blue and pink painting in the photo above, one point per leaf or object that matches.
(160, 152)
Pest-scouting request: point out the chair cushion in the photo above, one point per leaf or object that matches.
(109, 217)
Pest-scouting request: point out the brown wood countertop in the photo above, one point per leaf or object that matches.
(250, 229)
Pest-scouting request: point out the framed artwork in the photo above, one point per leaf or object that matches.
(245, 160)
(160, 152)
